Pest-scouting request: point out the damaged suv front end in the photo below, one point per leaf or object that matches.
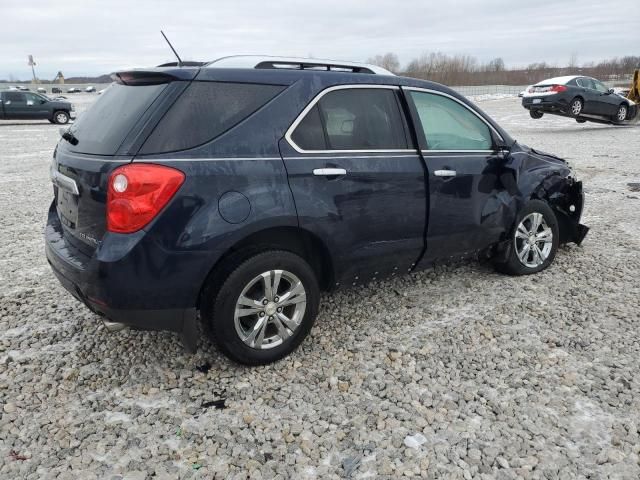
(530, 174)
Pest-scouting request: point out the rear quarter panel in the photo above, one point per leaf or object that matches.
(235, 185)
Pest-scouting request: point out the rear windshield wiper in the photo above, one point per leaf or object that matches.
(69, 136)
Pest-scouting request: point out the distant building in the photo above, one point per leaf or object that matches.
(59, 78)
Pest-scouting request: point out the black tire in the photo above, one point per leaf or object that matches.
(219, 308)
(576, 106)
(536, 114)
(581, 120)
(621, 114)
(60, 117)
(513, 265)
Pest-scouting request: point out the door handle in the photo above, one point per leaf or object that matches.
(329, 172)
(445, 173)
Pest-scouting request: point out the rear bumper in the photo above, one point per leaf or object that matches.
(550, 103)
(162, 319)
(110, 290)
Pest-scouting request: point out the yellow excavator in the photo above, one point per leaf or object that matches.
(634, 93)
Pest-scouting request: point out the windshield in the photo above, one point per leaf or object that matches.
(105, 125)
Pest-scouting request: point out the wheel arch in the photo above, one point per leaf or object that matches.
(293, 239)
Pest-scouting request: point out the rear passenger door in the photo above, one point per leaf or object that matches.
(358, 181)
(15, 105)
(463, 173)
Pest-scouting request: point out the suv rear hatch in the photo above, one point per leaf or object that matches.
(103, 138)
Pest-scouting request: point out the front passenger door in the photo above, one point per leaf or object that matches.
(464, 175)
(35, 106)
(607, 102)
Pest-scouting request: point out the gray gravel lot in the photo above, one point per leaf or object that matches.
(482, 375)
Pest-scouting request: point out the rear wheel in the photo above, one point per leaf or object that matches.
(536, 114)
(61, 117)
(264, 309)
(534, 240)
(621, 115)
(575, 107)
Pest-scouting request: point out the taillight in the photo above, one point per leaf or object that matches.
(137, 192)
(558, 88)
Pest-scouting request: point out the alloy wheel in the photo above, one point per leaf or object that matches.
(270, 309)
(61, 118)
(576, 107)
(533, 240)
(622, 113)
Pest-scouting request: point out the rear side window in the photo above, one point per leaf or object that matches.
(310, 134)
(15, 97)
(103, 127)
(353, 119)
(448, 125)
(205, 111)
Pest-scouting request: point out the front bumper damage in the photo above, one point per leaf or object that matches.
(568, 204)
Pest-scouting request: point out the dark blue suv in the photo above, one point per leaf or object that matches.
(241, 188)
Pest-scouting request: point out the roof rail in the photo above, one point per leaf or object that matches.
(295, 63)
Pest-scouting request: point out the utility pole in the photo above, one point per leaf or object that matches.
(32, 64)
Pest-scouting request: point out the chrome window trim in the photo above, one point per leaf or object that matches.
(351, 157)
(458, 151)
(442, 94)
(313, 103)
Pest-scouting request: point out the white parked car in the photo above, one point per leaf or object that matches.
(90, 89)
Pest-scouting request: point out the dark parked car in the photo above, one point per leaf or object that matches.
(578, 97)
(33, 106)
(242, 193)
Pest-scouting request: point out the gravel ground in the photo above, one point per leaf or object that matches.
(456, 372)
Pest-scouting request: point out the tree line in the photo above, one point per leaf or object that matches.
(467, 70)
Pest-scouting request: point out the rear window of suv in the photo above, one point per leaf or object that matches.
(104, 126)
(205, 111)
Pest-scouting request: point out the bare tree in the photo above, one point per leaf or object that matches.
(573, 61)
(496, 65)
(388, 60)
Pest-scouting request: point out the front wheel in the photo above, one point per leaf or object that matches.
(533, 241)
(621, 115)
(536, 114)
(61, 117)
(264, 309)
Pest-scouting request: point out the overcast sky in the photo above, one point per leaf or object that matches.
(83, 37)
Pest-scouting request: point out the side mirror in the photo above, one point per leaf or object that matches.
(43, 101)
(503, 150)
(611, 90)
(500, 145)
